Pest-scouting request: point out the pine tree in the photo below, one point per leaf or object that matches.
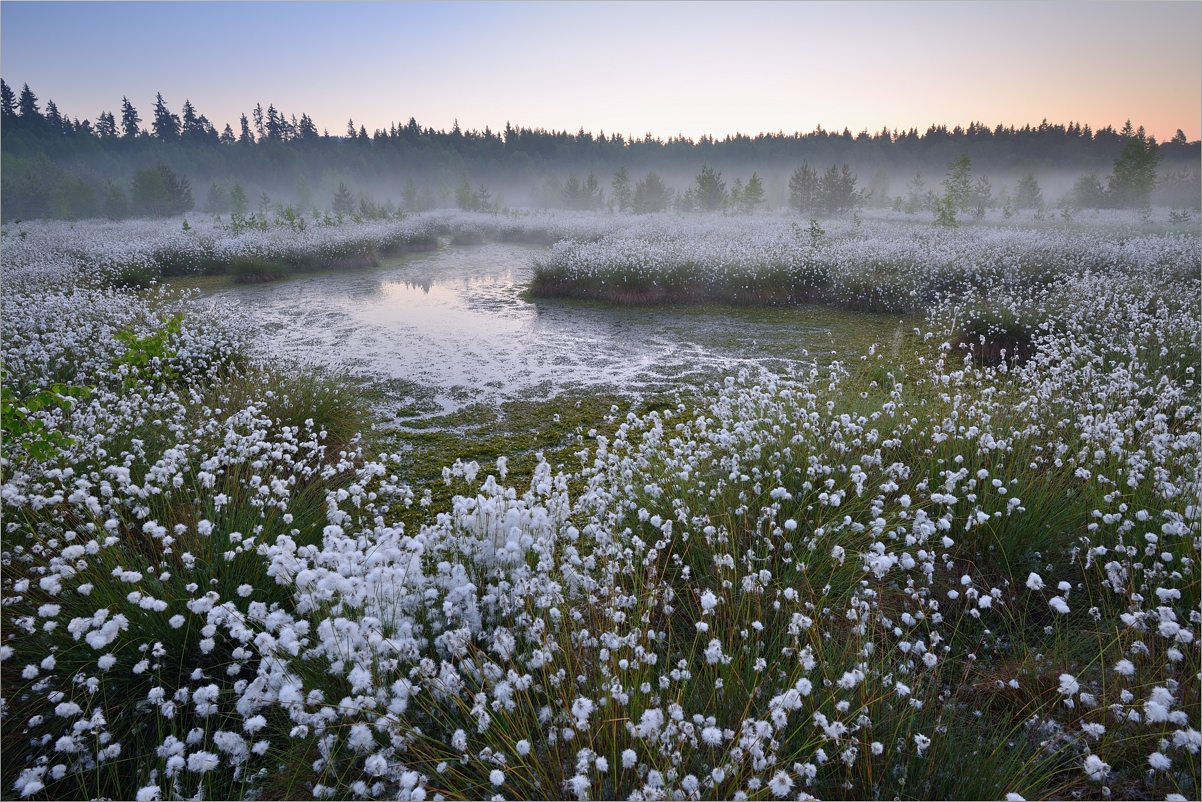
(54, 120)
(1026, 193)
(238, 200)
(106, 126)
(27, 105)
(753, 193)
(246, 137)
(803, 188)
(711, 189)
(591, 194)
(227, 136)
(837, 191)
(570, 192)
(129, 119)
(620, 184)
(957, 185)
(344, 201)
(1135, 172)
(218, 200)
(8, 103)
(166, 125)
(651, 195)
(273, 126)
(192, 127)
(306, 129)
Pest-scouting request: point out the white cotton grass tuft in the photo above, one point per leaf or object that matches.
(1095, 768)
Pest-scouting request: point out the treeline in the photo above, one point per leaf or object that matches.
(61, 166)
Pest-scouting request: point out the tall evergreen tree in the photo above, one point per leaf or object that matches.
(192, 127)
(1026, 192)
(27, 105)
(957, 184)
(1135, 171)
(106, 125)
(711, 189)
(273, 126)
(129, 119)
(753, 194)
(227, 136)
(166, 125)
(837, 191)
(246, 137)
(54, 120)
(803, 188)
(344, 201)
(620, 184)
(651, 195)
(306, 129)
(8, 102)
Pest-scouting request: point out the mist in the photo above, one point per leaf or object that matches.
(56, 165)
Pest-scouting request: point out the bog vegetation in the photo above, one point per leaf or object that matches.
(978, 542)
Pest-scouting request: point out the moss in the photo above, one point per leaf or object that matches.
(518, 430)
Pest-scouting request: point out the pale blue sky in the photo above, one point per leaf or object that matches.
(667, 68)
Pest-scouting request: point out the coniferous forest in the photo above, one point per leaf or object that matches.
(157, 161)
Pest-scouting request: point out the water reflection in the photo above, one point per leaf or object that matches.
(456, 319)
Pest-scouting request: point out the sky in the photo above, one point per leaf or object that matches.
(635, 68)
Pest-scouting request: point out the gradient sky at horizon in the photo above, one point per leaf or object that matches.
(664, 68)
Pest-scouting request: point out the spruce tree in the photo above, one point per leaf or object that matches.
(711, 189)
(54, 120)
(1135, 171)
(8, 102)
(803, 188)
(129, 119)
(27, 105)
(192, 127)
(166, 125)
(106, 126)
(344, 201)
(837, 191)
(621, 187)
(651, 195)
(753, 193)
(246, 137)
(238, 200)
(957, 185)
(1026, 192)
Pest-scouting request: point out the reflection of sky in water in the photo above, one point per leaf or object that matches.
(456, 318)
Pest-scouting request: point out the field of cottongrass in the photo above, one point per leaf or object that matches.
(961, 565)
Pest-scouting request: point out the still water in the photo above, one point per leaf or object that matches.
(456, 321)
